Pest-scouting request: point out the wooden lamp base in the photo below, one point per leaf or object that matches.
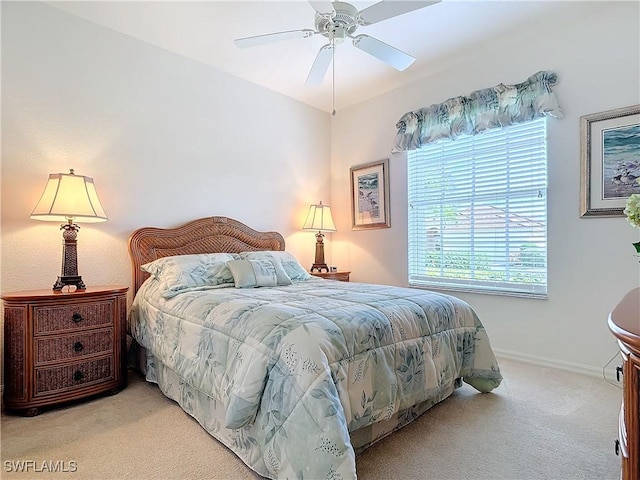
(319, 265)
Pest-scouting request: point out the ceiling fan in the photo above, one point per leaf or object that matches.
(339, 20)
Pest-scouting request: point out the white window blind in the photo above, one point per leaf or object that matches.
(478, 212)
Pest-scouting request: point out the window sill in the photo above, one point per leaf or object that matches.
(504, 293)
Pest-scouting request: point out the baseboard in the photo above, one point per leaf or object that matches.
(608, 371)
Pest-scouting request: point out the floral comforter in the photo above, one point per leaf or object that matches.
(305, 371)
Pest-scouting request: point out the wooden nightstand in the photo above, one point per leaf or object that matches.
(341, 276)
(60, 347)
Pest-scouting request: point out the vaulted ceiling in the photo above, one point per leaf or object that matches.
(205, 31)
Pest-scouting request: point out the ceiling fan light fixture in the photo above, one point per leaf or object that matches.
(338, 20)
(337, 35)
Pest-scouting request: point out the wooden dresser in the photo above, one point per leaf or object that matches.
(624, 323)
(60, 347)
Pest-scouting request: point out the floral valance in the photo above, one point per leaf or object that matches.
(481, 110)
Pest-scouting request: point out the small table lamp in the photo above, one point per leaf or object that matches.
(71, 198)
(319, 218)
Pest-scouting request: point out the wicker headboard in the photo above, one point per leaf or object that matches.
(205, 235)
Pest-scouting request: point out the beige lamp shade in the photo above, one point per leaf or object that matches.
(319, 218)
(69, 197)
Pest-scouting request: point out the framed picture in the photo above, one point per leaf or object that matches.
(610, 161)
(370, 195)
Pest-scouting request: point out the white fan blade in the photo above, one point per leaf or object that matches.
(273, 37)
(320, 66)
(390, 8)
(388, 54)
(322, 7)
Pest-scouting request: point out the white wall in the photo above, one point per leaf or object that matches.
(166, 140)
(595, 51)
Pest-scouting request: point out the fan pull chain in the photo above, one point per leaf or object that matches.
(333, 81)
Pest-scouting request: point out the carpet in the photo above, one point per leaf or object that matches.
(540, 424)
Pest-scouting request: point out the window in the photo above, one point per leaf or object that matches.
(478, 212)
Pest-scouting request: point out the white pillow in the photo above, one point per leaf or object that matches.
(181, 272)
(294, 270)
(258, 273)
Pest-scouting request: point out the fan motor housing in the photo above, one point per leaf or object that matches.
(340, 25)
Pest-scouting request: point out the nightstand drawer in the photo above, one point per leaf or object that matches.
(64, 347)
(72, 376)
(64, 318)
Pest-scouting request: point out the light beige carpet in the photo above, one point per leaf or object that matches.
(540, 424)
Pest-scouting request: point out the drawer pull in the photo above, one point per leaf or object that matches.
(77, 375)
(618, 372)
(76, 317)
(617, 447)
(78, 347)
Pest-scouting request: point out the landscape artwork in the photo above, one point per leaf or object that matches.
(609, 161)
(370, 195)
(621, 161)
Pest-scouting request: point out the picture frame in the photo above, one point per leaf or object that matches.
(370, 195)
(609, 161)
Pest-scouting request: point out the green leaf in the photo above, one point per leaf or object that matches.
(637, 245)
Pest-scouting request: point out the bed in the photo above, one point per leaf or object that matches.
(295, 374)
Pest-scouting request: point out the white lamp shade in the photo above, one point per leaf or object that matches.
(319, 218)
(69, 197)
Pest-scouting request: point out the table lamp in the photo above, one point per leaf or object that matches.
(69, 198)
(319, 218)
